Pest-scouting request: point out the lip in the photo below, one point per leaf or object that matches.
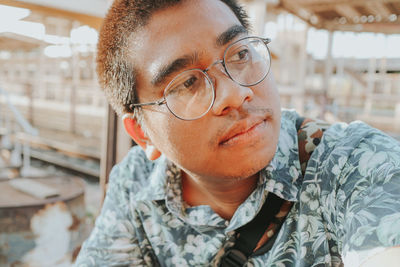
(243, 132)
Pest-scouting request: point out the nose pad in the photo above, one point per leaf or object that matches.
(222, 70)
(219, 65)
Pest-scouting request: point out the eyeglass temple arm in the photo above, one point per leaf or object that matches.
(159, 103)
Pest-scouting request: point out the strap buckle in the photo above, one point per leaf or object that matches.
(233, 258)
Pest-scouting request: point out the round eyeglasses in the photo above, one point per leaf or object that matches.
(191, 94)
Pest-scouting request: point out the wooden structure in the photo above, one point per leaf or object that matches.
(60, 96)
(18, 42)
(69, 10)
(379, 16)
(374, 82)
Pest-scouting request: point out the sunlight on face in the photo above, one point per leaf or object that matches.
(238, 136)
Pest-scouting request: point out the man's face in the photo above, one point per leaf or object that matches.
(238, 136)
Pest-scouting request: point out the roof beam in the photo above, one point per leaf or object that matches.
(312, 11)
(378, 8)
(12, 41)
(92, 21)
(347, 11)
(322, 5)
(293, 7)
(373, 27)
(312, 2)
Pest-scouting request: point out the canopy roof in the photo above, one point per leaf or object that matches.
(12, 41)
(379, 16)
(95, 8)
(89, 12)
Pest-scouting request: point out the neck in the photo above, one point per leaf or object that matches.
(223, 197)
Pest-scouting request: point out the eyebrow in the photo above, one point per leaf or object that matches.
(173, 67)
(230, 34)
(183, 62)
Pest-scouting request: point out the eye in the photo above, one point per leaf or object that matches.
(243, 54)
(189, 82)
(184, 85)
(240, 55)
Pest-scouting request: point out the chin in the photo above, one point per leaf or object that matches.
(249, 166)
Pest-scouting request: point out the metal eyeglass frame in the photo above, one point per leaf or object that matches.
(163, 101)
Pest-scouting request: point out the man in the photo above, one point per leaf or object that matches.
(197, 96)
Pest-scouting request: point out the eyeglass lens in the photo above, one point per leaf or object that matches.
(247, 61)
(190, 95)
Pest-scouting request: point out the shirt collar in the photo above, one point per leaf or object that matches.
(283, 175)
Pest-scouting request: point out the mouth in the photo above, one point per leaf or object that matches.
(244, 132)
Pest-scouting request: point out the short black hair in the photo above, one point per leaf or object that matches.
(116, 73)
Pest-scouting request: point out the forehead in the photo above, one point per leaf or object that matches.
(188, 27)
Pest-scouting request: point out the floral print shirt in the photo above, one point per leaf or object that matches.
(346, 206)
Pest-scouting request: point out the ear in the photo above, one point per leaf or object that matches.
(133, 128)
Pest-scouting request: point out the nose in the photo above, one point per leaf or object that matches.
(229, 95)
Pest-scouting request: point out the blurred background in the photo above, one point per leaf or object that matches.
(332, 59)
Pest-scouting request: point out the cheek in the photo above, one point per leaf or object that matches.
(266, 94)
(271, 92)
(178, 140)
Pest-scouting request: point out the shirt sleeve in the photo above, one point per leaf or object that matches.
(114, 239)
(368, 195)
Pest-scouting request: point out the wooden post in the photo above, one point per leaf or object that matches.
(41, 84)
(370, 87)
(383, 73)
(29, 93)
(300, 102)
(327, 76)
(109, 149)
(397, 117)
(75, 81)
(347, 96)
(257, 11)
(116, 143)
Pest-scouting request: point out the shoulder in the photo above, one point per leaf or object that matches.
(355, 154)
(137, 176)
(363, 164)
(350, 154)
(374, 153)
(357, 139)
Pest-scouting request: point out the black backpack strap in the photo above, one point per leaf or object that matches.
(299, 122)
(248, 236)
